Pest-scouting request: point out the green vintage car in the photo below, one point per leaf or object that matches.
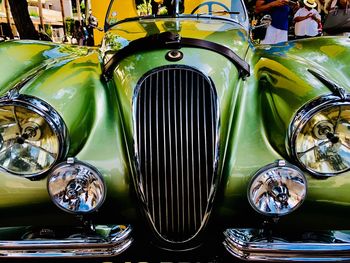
(177, 134)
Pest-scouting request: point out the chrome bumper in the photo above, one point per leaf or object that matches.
(106, 241)
(253, 245)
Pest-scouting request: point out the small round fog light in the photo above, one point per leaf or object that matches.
(277, 189)
(76, 187)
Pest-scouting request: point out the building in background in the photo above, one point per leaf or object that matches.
(52, 17)
(6, 22)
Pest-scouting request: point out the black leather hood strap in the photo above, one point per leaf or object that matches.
(169, 40)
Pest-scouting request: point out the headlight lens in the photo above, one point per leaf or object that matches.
(320, 136)
(277, 189)
(32, 136)
(76, 187)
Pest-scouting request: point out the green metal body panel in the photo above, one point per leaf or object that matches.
(254, 116)
(69, 79)
(280, 84)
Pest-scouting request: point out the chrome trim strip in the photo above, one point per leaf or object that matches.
(164, 153)
(145, 135)
(182, 153)
(199, 146)
(176, 156)
(151, 157)
(80, 247)
(251, 245)
(170, 153)
(187, 153)
(192, 156)
(205, 143)
(213, 130)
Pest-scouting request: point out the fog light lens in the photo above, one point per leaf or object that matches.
(76, 187)
(277, 189)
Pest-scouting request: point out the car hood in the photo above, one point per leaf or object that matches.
(222, 72)
(227, 33)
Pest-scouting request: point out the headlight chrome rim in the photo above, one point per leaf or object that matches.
(70, 163)
(301, 119)
(284, 190)
(53, 119)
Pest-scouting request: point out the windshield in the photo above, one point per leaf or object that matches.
(126, 9)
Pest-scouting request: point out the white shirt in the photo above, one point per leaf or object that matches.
(307, 27)
(275, 35)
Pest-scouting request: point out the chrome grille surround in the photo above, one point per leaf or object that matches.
(176, 133)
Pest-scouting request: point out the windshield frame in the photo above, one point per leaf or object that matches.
(177, 14)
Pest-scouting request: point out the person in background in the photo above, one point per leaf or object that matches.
(279, 11)
(78, 34)
(307, 20)
(91, 25)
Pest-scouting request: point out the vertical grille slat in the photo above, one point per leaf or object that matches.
(159, 220)
(170, 117)
(176, 129)
(176, 157)
(199, 148)
(213, 135)
(150, 155)
(192, 154)
(162, 124)
(188, 145)
(205, 143)
(182, 154)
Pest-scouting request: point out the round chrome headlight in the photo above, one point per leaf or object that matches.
(277, 189)
(76, 187)
(319, 136)
(32, 136)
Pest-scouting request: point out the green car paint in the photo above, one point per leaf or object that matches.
(255, 113)
(284, 85)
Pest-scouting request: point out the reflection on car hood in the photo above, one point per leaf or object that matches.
(225, 33)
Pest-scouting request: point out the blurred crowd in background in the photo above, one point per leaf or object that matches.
(272, 21)
(83, 33)
(276, 21)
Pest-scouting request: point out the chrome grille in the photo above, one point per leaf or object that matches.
(176, 124)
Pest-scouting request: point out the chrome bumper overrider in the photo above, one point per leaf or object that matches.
(256, 245)
(106, 241)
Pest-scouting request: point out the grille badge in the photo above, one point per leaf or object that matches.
(174, 55)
